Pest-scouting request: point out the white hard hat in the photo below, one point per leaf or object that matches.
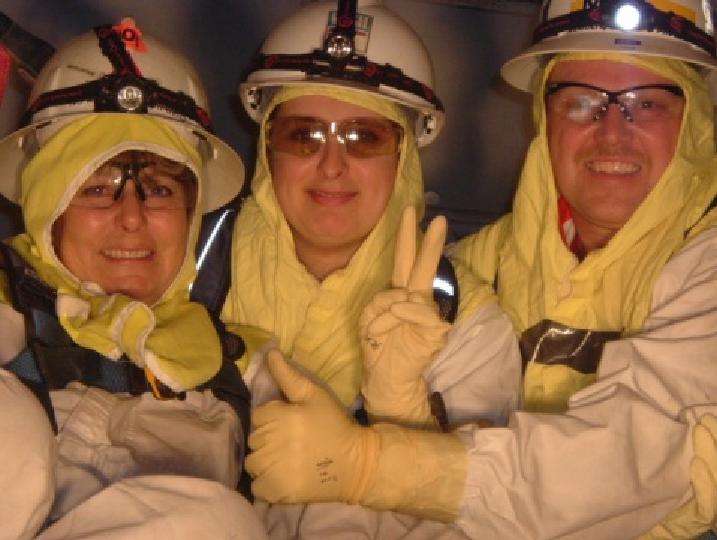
(678, 29)
(119, 69)
(364, 46)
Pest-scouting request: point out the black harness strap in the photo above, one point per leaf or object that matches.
(446, 292)
(52, 360)
(711, 206)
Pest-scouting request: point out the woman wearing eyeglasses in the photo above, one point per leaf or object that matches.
(337, 164)
(342, 109)
(122, 412)
(342, 95)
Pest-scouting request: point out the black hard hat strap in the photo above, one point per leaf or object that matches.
(104, 91)
(357, 69)
(602, 16)
(346, 19)
(114, 49)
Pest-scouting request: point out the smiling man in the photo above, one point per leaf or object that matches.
(605, 159)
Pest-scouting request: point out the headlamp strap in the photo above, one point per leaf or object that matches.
(124, 90)
(114, 49)
(340, 44)
(602, 15)
(357, 68)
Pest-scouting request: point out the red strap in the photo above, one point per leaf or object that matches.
(568, 232)
(5, 63)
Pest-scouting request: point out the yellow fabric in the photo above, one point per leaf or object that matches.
(315, 323)
(612, 288)
(700, 513)
(175, 338)
(254, 339)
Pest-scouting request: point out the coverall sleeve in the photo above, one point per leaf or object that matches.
(618, 460)
(478, 371)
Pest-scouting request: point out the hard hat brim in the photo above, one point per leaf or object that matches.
(404, 99)
(521, 70)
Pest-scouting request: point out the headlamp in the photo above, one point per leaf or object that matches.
(124, 90)
(130, 98)
(627, 16)
(339, 46)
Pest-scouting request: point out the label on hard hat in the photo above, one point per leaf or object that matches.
(131, 35)
(363, 30)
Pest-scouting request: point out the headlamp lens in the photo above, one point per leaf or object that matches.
(627, 17)
(130, 98)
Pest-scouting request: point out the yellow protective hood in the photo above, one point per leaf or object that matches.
(611, 289)
(174, 338)
(316, 323)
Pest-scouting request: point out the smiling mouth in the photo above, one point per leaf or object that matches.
(126, 253)
(613, 167)
(331, 197)
(334, 194)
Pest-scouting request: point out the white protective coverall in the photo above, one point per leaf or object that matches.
(617, 458)
(477, 373)
(121, 466)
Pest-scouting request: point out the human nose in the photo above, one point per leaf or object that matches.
(131, 211)
(333, 157)
(614, 126)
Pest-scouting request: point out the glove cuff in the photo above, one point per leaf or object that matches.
(422, 473)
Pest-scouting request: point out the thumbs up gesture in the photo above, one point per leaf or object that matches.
(401, 330)
(307, 448)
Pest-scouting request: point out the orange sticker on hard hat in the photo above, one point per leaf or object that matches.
(131, 35)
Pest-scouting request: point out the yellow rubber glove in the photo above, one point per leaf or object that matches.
(310, 450)
(401, 330)
(699, 514)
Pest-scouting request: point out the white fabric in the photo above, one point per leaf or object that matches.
(27, 453)
(478, 372)
(338, 521)
(106, 437)
(160, 508)
(618, 460)
(12, 330)
(104, 457)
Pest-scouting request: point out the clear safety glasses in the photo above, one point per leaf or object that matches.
(157, 184)
(304, 136)
(643, 104)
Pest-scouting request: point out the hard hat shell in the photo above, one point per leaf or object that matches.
(678, 29)
(384, 44)
(82, 61)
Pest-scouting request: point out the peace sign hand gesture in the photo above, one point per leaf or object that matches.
(401, 330)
